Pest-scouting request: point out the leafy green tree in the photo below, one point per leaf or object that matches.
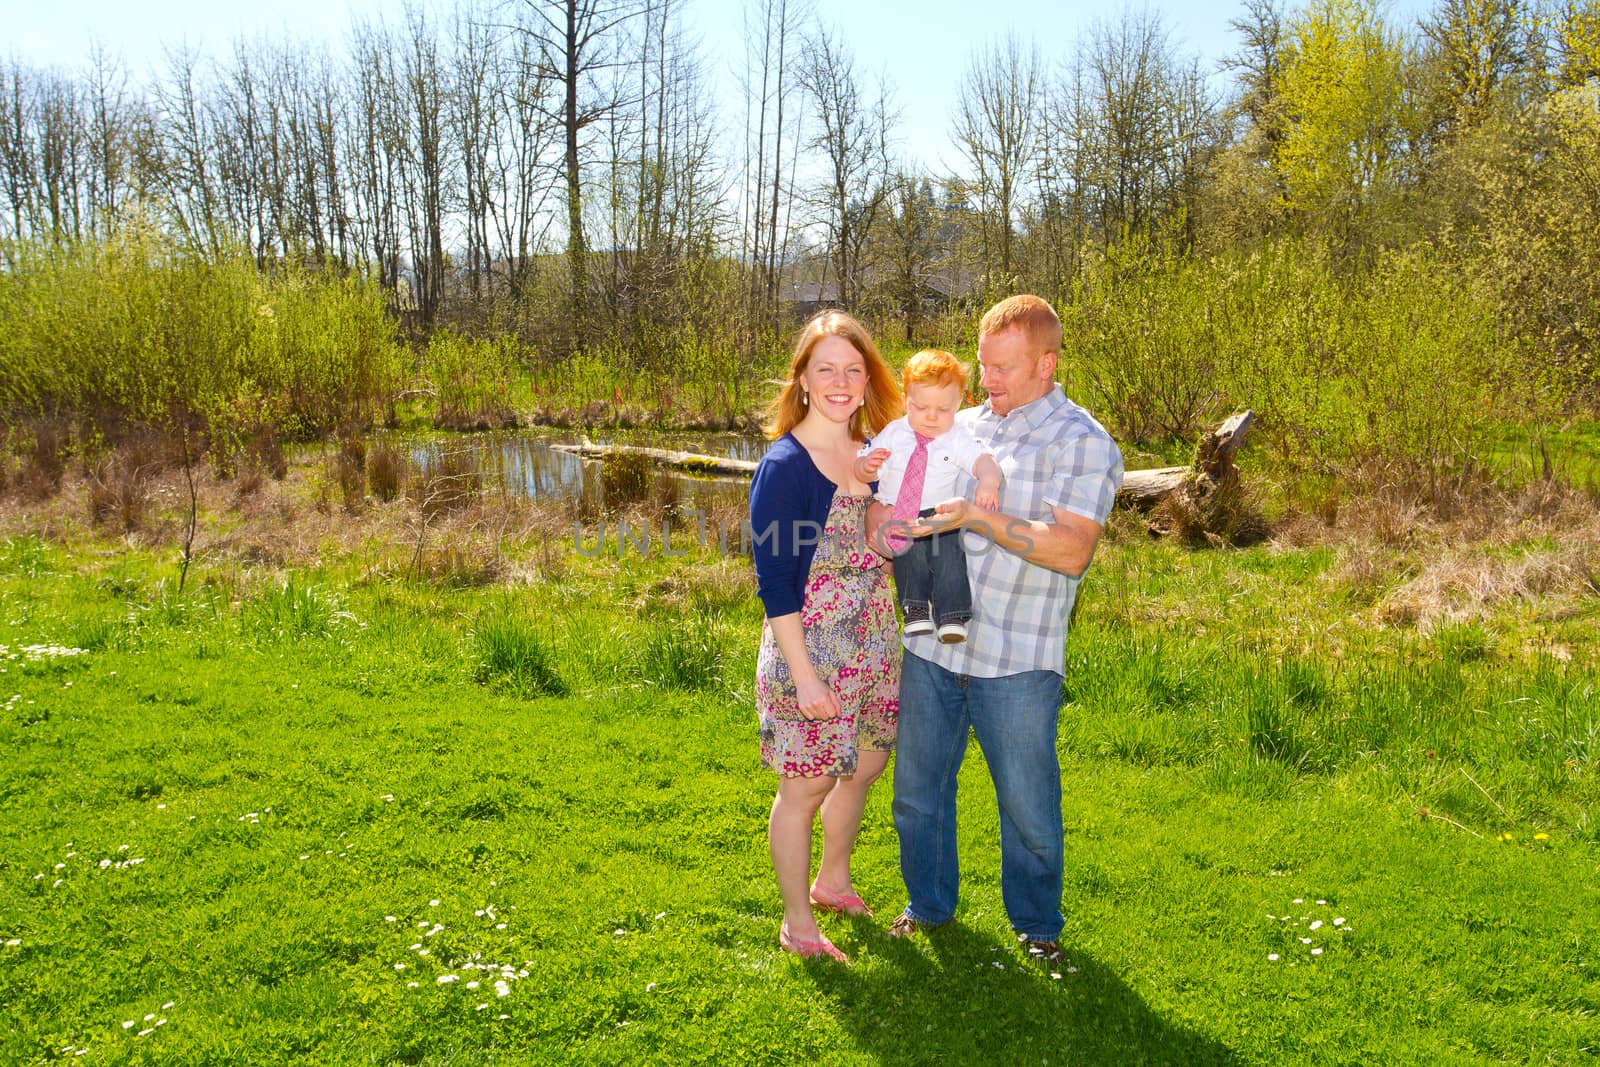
(1578, 43)
(1344, 141)
(1475, 47)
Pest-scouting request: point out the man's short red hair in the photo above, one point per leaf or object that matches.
(1033, 315)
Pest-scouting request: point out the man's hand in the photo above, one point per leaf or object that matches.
(952, 514)
(878, 524)
(866, 467)
(1065, 544)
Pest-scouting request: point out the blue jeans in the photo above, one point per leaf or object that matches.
(934, 570)
(1015, 720)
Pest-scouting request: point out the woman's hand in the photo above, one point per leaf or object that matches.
(817, 700)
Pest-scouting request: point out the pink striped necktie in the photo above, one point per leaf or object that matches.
(908, 502)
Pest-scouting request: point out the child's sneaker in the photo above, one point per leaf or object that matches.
(952, 633)
(918, 619)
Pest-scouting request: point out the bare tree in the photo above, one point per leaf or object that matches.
(16, 145)
(1150, 122)
(1059, 221)
(665, 191)
(519, 144)
(996, 119)
(908, 242)
(187, 179)
(62, 153)
(378, 140)
(852, 138)
(326, 169)
(473, 120)
(425, 92)
(577, 40)
(244, 172)
(772, 28)
(1258, 66)
(110, 118)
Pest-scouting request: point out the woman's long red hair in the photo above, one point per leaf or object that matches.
(882, 402)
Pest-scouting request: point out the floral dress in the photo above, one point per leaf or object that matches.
(851, 637)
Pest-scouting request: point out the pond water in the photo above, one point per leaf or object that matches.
(521, 464)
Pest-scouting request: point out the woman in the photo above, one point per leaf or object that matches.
(828, 674)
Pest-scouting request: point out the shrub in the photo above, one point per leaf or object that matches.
(680, 653)
(472, 381)
(1144, 344)
(626, 478)
(386, 472)
(511, 652)
(351, 467)
(139, 330)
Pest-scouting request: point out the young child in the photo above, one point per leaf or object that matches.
(930, 576)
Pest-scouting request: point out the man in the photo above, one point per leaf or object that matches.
(1025, 559)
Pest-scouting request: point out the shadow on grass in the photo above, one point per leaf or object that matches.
(940, 999)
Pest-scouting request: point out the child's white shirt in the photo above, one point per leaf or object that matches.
(950, 455)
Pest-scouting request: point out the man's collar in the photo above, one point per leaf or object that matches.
(1029, 415)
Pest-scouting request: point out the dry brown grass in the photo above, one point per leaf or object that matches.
(118, 492)
(44, 444)
(387, 471)
(350, 470)
(1473, 581)
(1416, 566)
(454, 483)
(1201, 514)
(118, 483)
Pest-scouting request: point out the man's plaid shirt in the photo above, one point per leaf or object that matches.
(1053, 454)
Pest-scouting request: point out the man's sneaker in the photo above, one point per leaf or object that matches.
(918, 619)
(1043, 951)
(953, 633)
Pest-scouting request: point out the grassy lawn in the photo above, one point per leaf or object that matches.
(1322, 806)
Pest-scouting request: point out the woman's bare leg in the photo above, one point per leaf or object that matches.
(841, 819)
(789, 840)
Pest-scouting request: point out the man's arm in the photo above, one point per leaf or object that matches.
(1065, 545)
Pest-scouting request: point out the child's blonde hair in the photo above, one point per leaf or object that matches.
(935, 367)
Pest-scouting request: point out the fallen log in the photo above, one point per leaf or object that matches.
(691, 462)
(1141, 489)
(1212, 468)
(1144, 489)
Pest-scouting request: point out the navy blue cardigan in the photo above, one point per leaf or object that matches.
(789, 501)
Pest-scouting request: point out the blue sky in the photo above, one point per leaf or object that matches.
(923, 46)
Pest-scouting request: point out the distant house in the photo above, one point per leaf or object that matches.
(805, 299)
(939, 289)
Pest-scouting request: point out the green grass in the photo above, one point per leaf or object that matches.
(1572, 450)
(295, 761)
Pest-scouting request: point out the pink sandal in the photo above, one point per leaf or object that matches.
(839, 903)
(807, 949)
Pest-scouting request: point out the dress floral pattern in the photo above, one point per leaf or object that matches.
(849, 622)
